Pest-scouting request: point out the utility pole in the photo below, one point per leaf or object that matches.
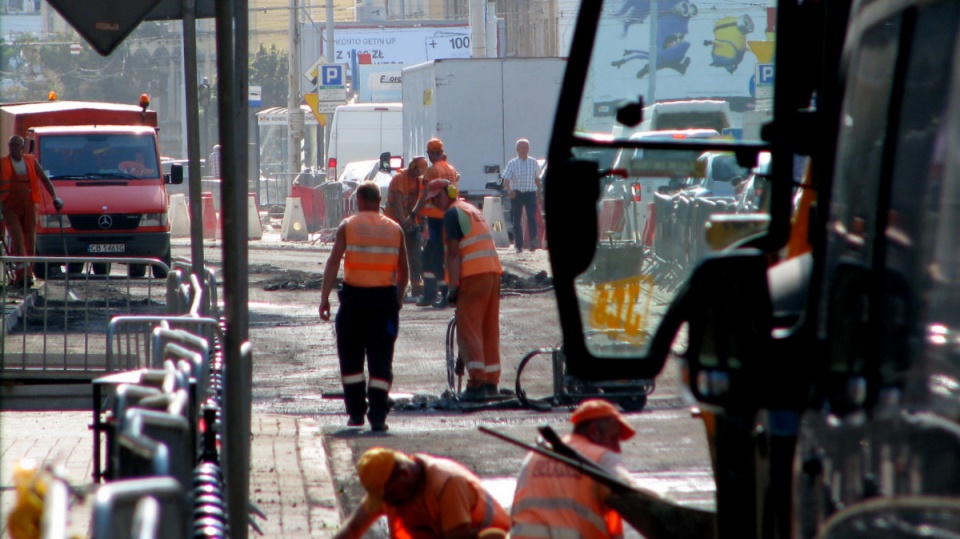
(478, 28)
(331, 55)
(654, 53)
(294, 113)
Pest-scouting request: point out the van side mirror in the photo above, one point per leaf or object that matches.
(175, 177)
(389, 162)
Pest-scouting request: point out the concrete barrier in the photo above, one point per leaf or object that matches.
(179, 217)
(294, 227)
(493, 215)
(254, 228)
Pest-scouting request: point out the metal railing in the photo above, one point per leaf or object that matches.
(54, 331)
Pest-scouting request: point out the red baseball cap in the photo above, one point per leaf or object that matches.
(600, 409)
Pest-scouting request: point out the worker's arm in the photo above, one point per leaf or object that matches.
(357, 523)
(395, 202)
(331, 269)
(457, 498)
(57, 203)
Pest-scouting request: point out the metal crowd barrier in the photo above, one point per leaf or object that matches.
(52, 332)
(336, 205)
(275, 188)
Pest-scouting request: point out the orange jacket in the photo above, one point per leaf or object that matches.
(554, 500)
(373, 250)
(440, 506)
(478, 253)
(7, 176)
(443, 171)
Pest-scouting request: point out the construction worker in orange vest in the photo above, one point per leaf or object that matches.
(402, 197)
(423, 496)
(20, 179)
(374, 280)
(474, 271)
(556, 501)
(434, 284)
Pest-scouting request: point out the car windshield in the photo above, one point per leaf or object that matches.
(97, 156)
(701, 73)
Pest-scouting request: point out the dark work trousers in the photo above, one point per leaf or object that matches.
(524, 201)
(414, 241)
(367, 323)
(433, 250)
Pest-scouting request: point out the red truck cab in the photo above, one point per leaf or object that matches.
(103, 159)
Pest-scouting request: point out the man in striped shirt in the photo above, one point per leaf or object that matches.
(522, 181)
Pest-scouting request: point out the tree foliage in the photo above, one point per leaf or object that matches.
(269, 69)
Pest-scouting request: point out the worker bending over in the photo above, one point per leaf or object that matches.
(423, 497)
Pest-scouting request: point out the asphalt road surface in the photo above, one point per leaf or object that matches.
(296, 372)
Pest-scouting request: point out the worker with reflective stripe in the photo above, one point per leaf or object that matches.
(423, 497)
(375, 277)
(434, 284)
(474, 270)
(21, 177)
(555, 501)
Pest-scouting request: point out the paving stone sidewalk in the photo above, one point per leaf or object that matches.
(289, 477)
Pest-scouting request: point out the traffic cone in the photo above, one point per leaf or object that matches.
(294, 227)
(493, 215)
(179, 216)
(210, 229)
(254, 230)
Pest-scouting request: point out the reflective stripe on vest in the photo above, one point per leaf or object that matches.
(373, 250)
(478, 253)
(8, 175)
(555, 501)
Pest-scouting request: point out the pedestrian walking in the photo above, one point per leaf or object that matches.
(521, 178)
(367, 322)
(213, 162)
(423, 496)
(555, 501)
(474, 270)
(21, 177)
(402, 196)
(434, 279)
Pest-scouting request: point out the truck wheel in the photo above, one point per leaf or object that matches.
(101, 268)
(45, 269)
(75, 267)
(158, 272)
(137, 270)
(633, 403)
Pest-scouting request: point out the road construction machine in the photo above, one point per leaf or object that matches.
(812, 312)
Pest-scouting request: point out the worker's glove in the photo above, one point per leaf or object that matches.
(452, 295)
(58, 204)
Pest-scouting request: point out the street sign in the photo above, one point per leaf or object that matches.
(331, 75)
(765, 74)
(254, 96)
(332, 93)
(103, 23)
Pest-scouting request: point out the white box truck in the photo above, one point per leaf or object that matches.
(479, 107)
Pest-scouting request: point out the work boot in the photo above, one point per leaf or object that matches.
(429, 293)
(442, 302)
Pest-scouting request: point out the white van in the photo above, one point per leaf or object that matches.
(363, 131)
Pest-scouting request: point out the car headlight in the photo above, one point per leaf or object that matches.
(54, 220)
(153, 219)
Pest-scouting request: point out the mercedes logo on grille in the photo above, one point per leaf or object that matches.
(105, 222)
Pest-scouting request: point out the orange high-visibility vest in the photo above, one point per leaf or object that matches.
(556, 501)
(442, 171)
(478, 253)
(485, 513)
(7, 175)
(373, 250)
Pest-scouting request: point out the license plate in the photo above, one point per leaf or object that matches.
(106, 248)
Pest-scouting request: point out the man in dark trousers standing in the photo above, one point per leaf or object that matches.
(434, 276)
(367, 323)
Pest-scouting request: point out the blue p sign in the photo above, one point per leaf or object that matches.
(331, 75)
(765, 74)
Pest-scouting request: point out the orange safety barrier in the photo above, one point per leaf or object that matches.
(211, 228)
(611, 217)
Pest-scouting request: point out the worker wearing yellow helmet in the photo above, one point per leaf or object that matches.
(423, 496)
